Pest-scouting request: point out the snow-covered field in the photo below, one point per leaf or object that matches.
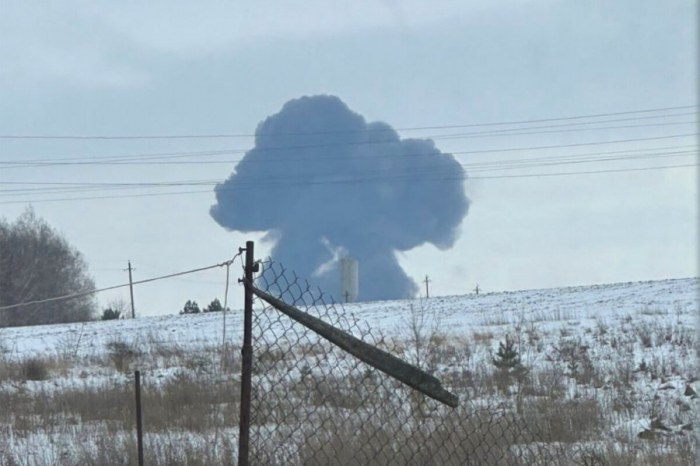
(628, 349)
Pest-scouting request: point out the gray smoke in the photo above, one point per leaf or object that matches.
(323, 183)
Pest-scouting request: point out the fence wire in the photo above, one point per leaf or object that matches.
(314, 404)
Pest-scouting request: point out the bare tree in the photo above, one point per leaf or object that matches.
(121, 305)
(425, 334)
(424, 337)
(36, 262)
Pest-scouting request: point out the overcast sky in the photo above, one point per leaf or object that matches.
(188, 68)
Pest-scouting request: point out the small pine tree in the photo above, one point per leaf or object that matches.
(507, 358)
(214, 306)
(191, 307)
(111, 314)
(643, 366)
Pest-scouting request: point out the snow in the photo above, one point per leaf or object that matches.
(550, 309)
(622, 327)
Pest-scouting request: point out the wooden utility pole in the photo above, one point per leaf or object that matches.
(131, 290)
(427, 290)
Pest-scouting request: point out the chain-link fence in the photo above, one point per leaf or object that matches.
(314, 404)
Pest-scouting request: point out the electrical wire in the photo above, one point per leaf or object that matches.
(513, 164)
(334, 182)
(134, 161)
(87, 293)
(354, 157)
(226, 152)
(418, 128)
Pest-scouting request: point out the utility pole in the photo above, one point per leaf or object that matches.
(347, 296)
(131, 290)
(427, 291)
(246, 355)
(476, 290)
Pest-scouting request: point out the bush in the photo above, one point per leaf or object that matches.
(34, 369)
(567, 421)
(111, 314)
(578, 361)
(122, 354)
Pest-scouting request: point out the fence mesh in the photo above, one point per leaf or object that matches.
(314, 404)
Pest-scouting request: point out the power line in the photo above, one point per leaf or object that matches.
(466, 165)
(206, 282)
(98, 183)
(158, 155)
(64, 187)
(307, 183)
(508, 132)
(470, 167)
(87, 293)
(418, 128)
(591, 172)
(422, 170)
(431, 153)
(226, 152)
(375, 142)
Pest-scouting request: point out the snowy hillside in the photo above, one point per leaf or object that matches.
(627, 350)
(581, 307)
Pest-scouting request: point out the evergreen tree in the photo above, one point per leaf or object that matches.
(191, 307)
(507, 358)
(214, 306)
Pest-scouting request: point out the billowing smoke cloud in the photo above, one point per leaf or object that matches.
(324, 183)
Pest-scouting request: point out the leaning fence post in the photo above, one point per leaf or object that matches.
(139, 420)
(247, 359)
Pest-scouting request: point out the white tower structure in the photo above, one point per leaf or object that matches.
(349, 283)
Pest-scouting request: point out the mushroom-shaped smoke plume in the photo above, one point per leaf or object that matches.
(322, 182)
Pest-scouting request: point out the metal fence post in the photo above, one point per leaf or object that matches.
(139, 420)
(247, 358)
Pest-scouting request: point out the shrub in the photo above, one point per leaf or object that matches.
(111, 314)
(35, 369)
(122, 354)
(578, 362)
(567, 421)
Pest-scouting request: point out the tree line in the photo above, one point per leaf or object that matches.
(117, 310)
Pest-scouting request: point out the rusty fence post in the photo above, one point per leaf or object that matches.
(247, 358)
(139, 420)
